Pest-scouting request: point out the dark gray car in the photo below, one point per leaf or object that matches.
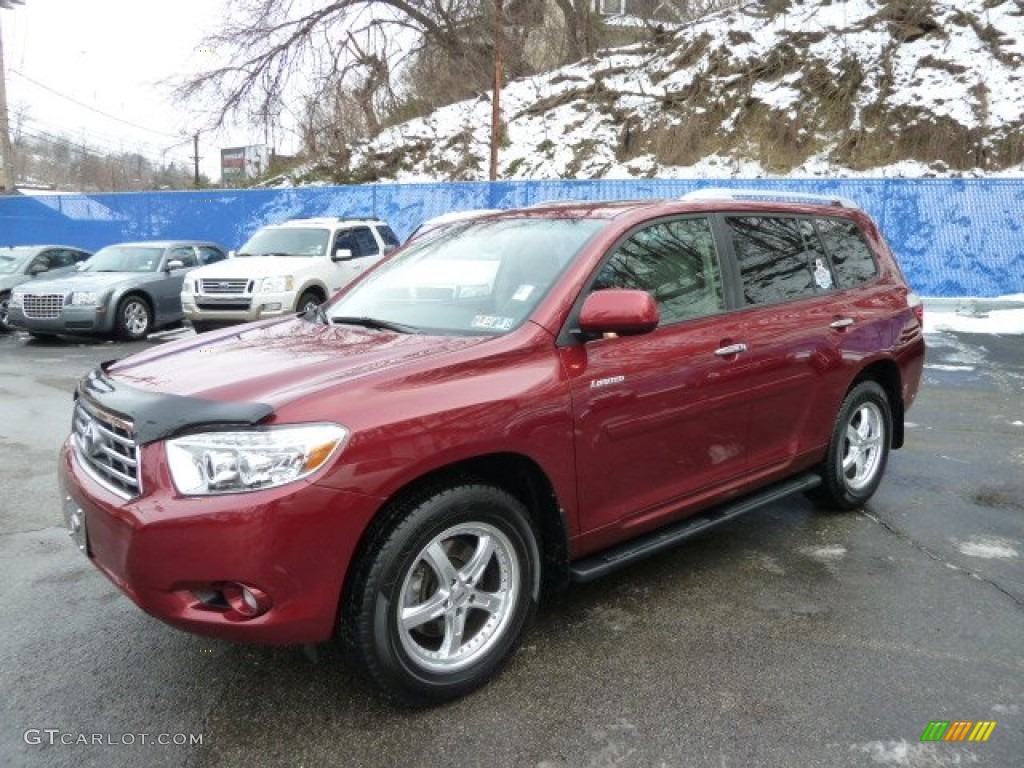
(22, 263)
(127, 290)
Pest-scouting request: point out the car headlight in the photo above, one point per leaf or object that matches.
(236, 462)
(276, 284)
(86, 297)
(187, 287)
(16, 299)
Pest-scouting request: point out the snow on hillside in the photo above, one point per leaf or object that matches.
(861, 87)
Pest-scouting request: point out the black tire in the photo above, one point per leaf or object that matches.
(134, 319)
(308, 301)
(858, 450)
(442, 531)
(5, 300)
(200, 327)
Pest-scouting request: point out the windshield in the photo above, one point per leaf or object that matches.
(124, 258)
(11, 259)
(286, 241)
(480, 277)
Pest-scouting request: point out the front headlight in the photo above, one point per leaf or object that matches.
(16, 299)
(186, 287)
(235, 462)
(276, 284)
(90, 298)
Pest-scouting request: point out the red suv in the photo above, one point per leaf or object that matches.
(529, 398)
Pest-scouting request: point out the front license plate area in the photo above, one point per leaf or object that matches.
(74, 518)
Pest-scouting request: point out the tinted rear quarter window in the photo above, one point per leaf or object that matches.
(852, 260)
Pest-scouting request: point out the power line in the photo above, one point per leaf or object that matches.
(90, 108)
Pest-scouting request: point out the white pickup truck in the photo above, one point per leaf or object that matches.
(284, 268)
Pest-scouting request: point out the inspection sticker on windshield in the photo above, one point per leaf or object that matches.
(494, 323)
(522, 293)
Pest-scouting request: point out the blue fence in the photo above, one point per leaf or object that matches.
(954, 237)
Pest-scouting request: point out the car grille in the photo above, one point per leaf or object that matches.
(105, 446)
(223, 286)
(42, 306)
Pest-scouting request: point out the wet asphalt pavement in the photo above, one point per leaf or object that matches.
(789, 637)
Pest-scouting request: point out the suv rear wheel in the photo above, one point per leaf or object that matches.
(859, 448)
(444, 597)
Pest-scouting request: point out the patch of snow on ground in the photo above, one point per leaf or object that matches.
(1003, 315)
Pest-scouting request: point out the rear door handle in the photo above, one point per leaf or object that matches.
(841, 323)
(732, 349)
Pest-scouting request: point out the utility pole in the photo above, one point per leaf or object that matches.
(195, 158)
(6, 150)
(498, 77)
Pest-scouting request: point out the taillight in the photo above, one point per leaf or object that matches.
(915, 304)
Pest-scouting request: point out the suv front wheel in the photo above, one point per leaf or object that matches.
(446, 594)
(859, 448)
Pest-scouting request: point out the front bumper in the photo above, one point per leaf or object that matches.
(168, 553)
(240, 308)
(72, 319)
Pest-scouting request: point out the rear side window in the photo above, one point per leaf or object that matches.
(676, 262)
(780, 258)
(209, 255)
(388, 236)
(852, 260)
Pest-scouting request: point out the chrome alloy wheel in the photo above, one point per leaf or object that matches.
(135, 317)
(458, 596)
(863, 446)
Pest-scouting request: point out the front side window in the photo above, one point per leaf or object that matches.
(184, 254)
(780, 259)
(676, 262)
(365, 241)
(851, 257)
(478, 277)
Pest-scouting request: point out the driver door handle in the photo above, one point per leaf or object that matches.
(732, 349)
(841, 323)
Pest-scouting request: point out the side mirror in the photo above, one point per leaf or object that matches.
(175, 264)
(342, 254)
(619, 311)
(38, 269)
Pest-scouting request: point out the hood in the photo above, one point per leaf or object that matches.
(9, 281)
(256, 266)
(278, 361)
(85, 281)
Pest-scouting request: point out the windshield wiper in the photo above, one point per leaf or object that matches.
(373, 322)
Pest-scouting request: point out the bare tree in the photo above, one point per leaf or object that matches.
(273, 47)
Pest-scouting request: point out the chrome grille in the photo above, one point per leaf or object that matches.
(105, 446)
(223, 286)
(42, 306)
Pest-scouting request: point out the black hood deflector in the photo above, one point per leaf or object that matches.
(158, 415)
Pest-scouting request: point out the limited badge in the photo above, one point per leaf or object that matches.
(822, 276)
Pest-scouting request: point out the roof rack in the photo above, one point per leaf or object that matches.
(716, 193)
